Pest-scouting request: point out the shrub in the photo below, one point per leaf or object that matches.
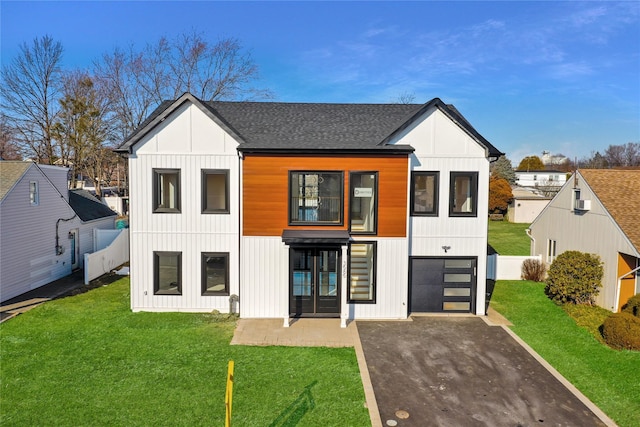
(633, 306)
(574, 277)
(622, 331)
(533, 269)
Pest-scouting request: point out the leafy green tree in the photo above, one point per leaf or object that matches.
(502, 168)
(531, 163)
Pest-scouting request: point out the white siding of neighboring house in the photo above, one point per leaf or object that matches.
(540, 178)
(524, 211)
(440, 145)
(190, 141)
(28, 257)
(592, 231)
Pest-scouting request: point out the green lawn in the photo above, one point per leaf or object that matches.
(508, 238)
(609, 378)
(88, 360)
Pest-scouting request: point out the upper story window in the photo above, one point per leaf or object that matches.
(363, 203)
(315, 197)
(463, 194)
(424, 193)
(166, 190)
(215, 191)
(34, 195)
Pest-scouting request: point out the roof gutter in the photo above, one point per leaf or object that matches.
(397, 150)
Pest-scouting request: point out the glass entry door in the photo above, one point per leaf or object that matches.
(314, 281)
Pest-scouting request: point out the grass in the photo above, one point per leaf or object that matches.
(608, 377)
(509, 238)
(88, 360)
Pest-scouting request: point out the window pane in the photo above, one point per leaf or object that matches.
(457, 263)
(167, 273)
(457, 292)
(363, 202)
(167, 190)
(215, 192)
(456, 306)
(463, 193)
(457, 277)
(215, 270)
(425, 186)
(362, 272)
(316, 197)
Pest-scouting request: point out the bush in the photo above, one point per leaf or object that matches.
(533, 269)
(622, 331)
(574, 277)
(632, 306)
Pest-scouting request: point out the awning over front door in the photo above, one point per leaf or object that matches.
(315, 237)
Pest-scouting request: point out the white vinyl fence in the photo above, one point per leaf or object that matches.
(104, 260)
(503, 267)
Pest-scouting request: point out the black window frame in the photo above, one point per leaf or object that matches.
(474, 194)
(339, 221)
(436, 193)
(375, 201)
(157, 174)
(373, 280)
(203, 270)
(156, 272)
(205, 173)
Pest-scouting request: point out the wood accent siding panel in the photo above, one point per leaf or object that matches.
(266, 191)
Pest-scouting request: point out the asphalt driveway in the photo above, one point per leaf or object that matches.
(459, 371)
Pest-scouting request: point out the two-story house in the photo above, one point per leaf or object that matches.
(342, 210)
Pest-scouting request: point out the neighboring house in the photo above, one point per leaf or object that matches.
(543, 178)
(45, 228)
(597, 211)
(526, 205)
(330, 210)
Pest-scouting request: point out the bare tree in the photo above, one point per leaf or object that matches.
(405, 98)
(138, 80)
(30, 87)
(82, 126)
(8, 148)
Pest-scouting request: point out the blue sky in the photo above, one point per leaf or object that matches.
(529, 76)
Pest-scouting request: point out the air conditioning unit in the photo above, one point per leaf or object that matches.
(583, 205)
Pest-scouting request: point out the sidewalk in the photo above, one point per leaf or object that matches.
(35, 297)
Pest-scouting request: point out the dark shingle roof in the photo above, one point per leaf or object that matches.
(282, 127)
(87, 207)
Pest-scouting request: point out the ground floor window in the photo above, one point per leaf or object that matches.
(215, 273)
(167, 273)
(551, 250)
(362, 272)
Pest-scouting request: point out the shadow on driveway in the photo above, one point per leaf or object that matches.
(459, 371)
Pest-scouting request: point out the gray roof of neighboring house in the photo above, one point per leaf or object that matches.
(310, 127)
(87, 207)
(10, 173)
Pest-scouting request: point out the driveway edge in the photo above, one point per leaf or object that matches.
(372, 404)
(577, 393)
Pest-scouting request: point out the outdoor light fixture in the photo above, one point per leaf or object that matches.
(446, 248)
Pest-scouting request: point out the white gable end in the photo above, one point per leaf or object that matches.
(188, 129)
(435, 135)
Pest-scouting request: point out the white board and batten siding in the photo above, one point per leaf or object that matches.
(190, 141)
(592, 231)
(28, 257)
(442, 146)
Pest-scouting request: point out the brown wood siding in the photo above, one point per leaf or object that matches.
(266, 187)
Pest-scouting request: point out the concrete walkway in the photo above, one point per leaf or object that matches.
(35, 297)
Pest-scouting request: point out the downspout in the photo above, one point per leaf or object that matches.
(533, 239)
(240, 216)
(620, 285)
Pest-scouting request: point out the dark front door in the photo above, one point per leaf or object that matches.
(314, 281)
(443, 285)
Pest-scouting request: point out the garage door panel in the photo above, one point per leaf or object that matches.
(442, 284)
